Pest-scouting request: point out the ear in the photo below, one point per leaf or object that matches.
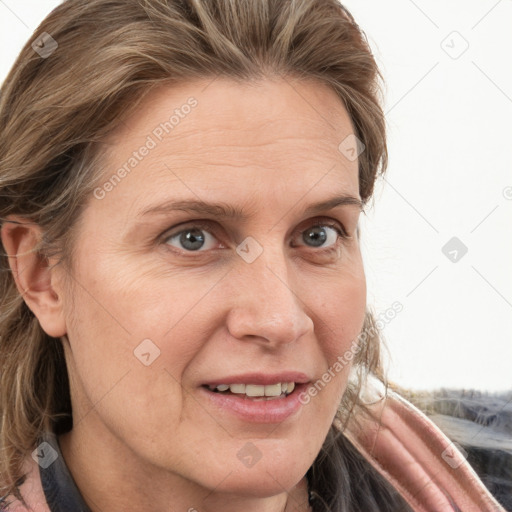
(35, 279)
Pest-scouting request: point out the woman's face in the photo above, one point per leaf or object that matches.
(258, 288)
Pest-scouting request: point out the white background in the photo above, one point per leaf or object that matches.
(449, 112)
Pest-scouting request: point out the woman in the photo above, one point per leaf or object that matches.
(184, 321)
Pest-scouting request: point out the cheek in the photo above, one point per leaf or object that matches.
(115, 324)
(126, 378)
(340, 312)
(134, 332)
(343, 308)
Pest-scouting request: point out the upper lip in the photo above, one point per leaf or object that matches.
(263, 379)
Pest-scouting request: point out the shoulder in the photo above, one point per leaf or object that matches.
(30, 490)
(412, 453)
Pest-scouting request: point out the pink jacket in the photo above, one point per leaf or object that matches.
(401, 443)
(412, 453)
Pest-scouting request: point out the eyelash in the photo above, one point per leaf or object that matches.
(207, 226)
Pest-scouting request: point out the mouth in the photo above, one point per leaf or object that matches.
(256, 398)
(255, 392)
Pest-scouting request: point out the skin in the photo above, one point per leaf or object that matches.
(270, 148)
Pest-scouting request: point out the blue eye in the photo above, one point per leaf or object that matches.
(198, 236)
(319, 235)
(192, 238)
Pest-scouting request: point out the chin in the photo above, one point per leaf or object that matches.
(263, 483)
(268, 477)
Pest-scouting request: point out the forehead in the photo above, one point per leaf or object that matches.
(220, 133)
(225, 100)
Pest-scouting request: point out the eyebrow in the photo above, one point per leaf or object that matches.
(227, 211)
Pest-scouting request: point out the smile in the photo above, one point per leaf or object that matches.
(254, 403)
(269, 392)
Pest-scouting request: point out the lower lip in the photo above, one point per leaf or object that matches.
(257, 411)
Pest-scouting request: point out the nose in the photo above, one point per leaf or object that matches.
(266, 307)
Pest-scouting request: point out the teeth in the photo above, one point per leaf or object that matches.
(257, 390)
(237, 388)
(273, 390)
(252, 390)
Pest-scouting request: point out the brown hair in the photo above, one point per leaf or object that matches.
(56, 109)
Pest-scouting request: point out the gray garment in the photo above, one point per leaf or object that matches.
(60, 490)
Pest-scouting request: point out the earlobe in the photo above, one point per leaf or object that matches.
(35, 279)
